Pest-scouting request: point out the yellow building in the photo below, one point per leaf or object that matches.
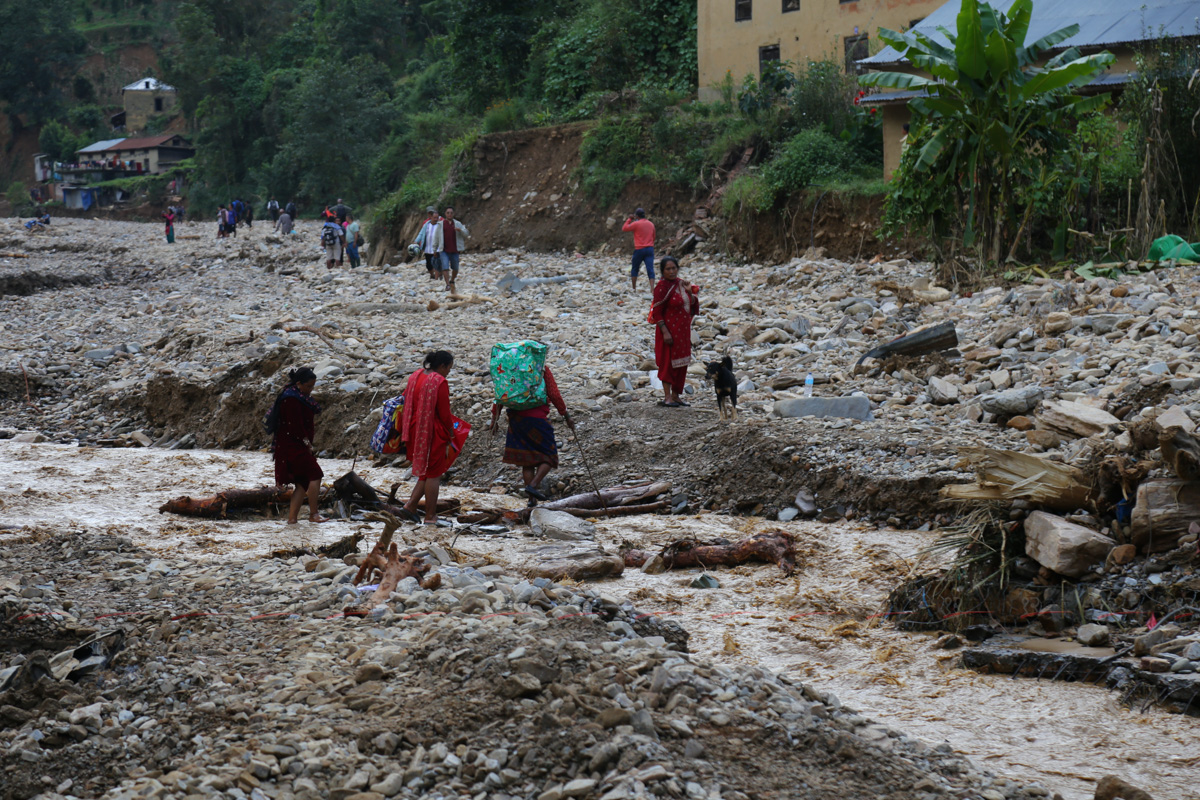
(737, 36)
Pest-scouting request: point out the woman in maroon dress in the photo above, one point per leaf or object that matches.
(428, 431)
(674, 307)
(295, 413)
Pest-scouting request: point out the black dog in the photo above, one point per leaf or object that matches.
(722, 377)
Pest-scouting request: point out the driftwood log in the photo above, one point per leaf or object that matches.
(616, 501)
(930, 339)
(1010, 475)
(216, 506)
(1164, 510)
(776, 547)
(389, 570)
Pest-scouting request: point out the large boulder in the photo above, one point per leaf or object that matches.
(560, 525)
(1065, 547)
(577, 562)
(853, 407)
(1012, 401)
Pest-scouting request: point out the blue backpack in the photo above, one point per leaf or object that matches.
(386, 439)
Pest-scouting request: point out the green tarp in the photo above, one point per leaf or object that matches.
(1173, 248)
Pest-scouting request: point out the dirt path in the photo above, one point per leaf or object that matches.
(814, 626)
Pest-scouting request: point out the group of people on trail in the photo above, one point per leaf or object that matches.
(441, 240)
(341, 236)
(432, 437)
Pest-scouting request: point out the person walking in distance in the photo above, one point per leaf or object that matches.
(340, 210)
(433, 259)
(333, 239)
(273, 209)
(291, 210)
(354, 240)
(643, 245)
(449, 239)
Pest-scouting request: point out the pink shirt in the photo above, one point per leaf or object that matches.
(643, 232)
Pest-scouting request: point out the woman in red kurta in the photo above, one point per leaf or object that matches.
(674, 307)
(295, 425)
(427, 430)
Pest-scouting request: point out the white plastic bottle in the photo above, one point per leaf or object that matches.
(808, 384)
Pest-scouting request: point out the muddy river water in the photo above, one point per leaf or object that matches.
(817, 625)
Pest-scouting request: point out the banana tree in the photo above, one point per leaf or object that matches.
(989, 105)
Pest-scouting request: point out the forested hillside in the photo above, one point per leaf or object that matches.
(321, 98)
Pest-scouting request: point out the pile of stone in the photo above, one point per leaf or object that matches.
(243, 679)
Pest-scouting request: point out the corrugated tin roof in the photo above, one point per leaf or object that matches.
(146, 142)
(100, 147)
(1101, 81)
(148, 85)
(1101, 22)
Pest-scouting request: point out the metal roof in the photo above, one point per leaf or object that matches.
(1101, 22)
(1099, 82)
(100, 147)
(148, 85)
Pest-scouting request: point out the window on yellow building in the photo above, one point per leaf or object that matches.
(741, 10)
(791, 5)
(856, 47)
(765, 54)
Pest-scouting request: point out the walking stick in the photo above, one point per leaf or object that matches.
(588, 467)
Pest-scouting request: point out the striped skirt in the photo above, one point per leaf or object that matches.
(530, 442)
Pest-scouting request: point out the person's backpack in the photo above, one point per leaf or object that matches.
(271, 419)
(386, 439)
(329, 237)
(291, 210)
(518, 374)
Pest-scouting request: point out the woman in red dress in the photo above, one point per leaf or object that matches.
(674, 307)
(295, 413)
(427, 429)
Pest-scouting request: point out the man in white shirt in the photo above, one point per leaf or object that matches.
(433, 259)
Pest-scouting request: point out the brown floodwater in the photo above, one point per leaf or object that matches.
(817, 625)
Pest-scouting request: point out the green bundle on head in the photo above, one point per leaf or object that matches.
(518, 374)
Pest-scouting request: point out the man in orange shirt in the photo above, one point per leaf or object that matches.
(643, 245)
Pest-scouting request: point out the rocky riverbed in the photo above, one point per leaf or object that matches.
(111, 338)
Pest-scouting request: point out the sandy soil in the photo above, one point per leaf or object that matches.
(816, 625)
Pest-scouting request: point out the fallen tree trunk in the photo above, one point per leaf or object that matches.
(931, 339)
(776, 547)
(217, 505)
(1164, 509)
(610, 499)
(619, 511)
(1009, 475)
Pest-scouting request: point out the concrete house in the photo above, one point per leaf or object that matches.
(148, 155)
(738, 36)
(1119, 26)
(143, 99)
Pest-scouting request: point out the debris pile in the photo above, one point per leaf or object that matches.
(261, 679)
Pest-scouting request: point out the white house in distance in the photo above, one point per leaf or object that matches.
(143, 99)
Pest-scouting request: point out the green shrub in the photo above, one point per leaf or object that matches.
(506, 115)
(810, 157)
(86, 118)
(18, 197)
